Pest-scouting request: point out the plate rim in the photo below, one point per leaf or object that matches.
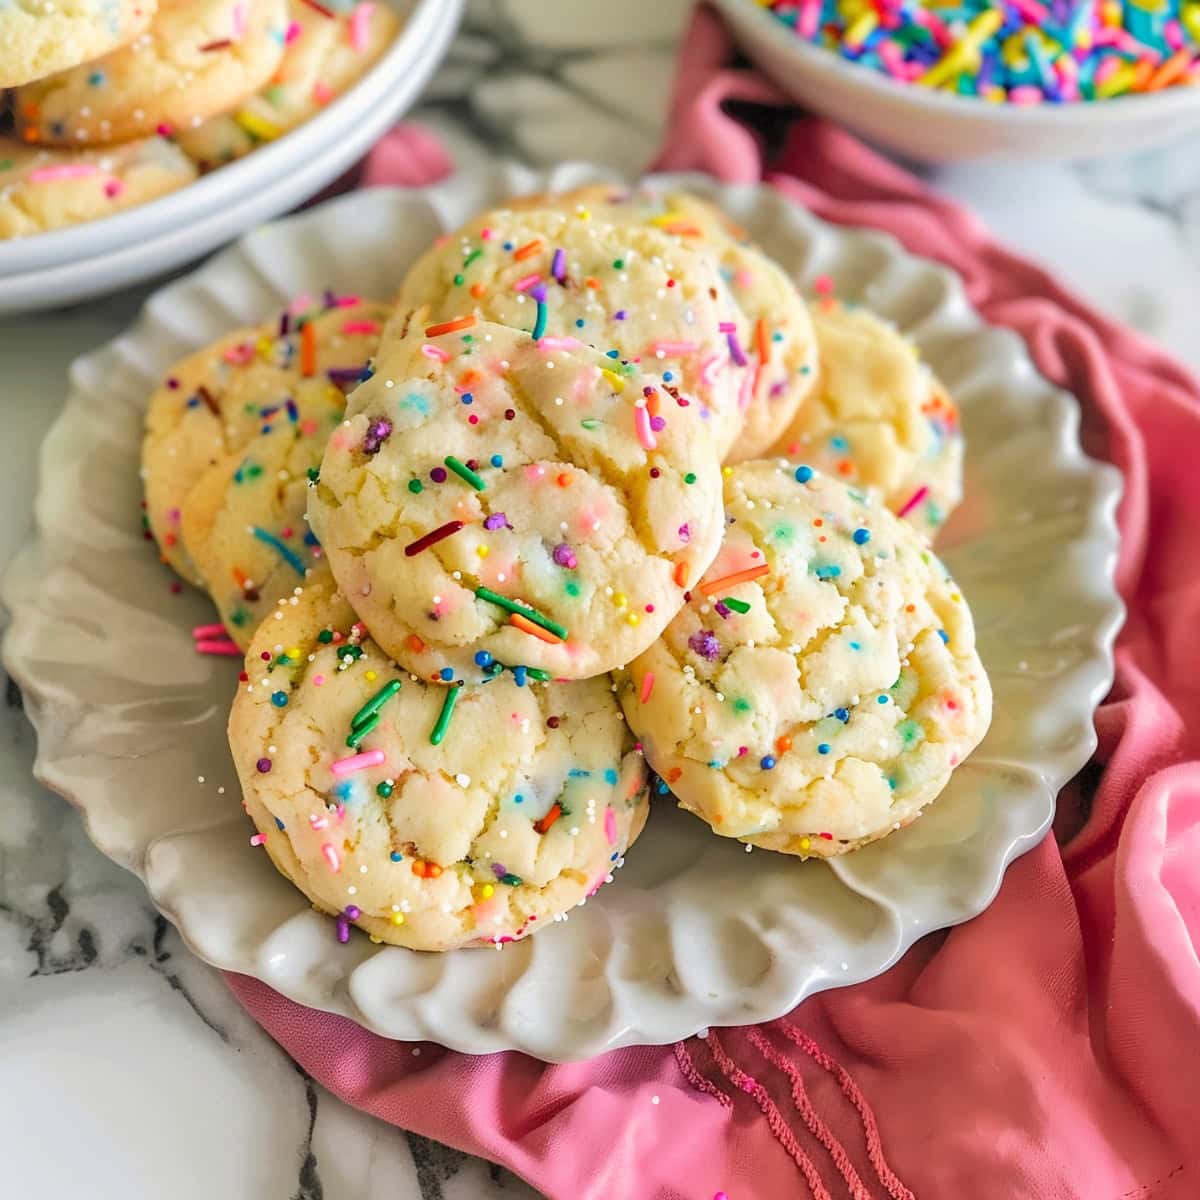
(19, 642)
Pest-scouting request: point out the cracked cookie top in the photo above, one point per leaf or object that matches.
(822, 681)
(495, 499)
(429, 816)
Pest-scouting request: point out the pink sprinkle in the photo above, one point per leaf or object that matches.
(935, 25)
(1031, 10)
(727, 327)
(709, 369)
(823, 285)
(673, 348)
(322, 92)
(892, 57)
(744, 396)
(913, 501)
(487, 234)
(647, 686)
(240, 354)
(205, 631)
(641, 420)
(1173, 33)
(239, 20)
(431, 351)
(360, 21)
(559, 343)
(63, 171)
(1025, 95)
(259, 839)
(610, 826)
(318, 680)
(361, 327)
(113, 188)
(225, 649)
(526, 282)
(331, 857)
(163, 129)
(809, 20)
(294, 30)
(349, 301)
(299, 304)
(357, 762)
(318, 822)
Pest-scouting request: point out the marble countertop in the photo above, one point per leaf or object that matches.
(158, 1082)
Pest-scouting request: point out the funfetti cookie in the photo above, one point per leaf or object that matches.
(431, 817)
(198, 58)
(497, 499)
(624, 288)
(328, 48)
(773, 333)
(879, 418)
(822, 682)
(289, 376)
(41, 189)
(40, 37)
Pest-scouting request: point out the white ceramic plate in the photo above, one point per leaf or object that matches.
(934, 126)
(695, 931)
(74, 264)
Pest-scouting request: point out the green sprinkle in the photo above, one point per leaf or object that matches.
(240, 617)
(361, 730)
(741, 705)
(472, 257)
(690, 477)
(415, 486)
(314, 474)
(511, 879)
(459, 280)
(465, 473)
(376, 702)
(911, 732)
(618, 264)
(738, 606)
(325, 636)
(350, 653)
(443, 721)
(384, 789)
(524, 610)
(571, 588)
(538, 674)
(591, 423)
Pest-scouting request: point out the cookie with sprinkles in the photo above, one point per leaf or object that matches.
(44, 189)
(771, 348)
(198, 58)
(879, 418)
(627, 289)
(40, 37)
(495, 498)
(822, 682)
(288, 377)
(430, 817)
(328, 48)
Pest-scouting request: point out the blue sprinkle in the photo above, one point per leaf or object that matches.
(767, 763)
(823, 748)
(279, 699)
(482, 658)
(447, 673)
(829, 571)
(396, 856)
(579, 322)
(661, 787)
(194, 402)
(344, 790)
(803, 474)
(468, 398)
(668, 376)
(944, 636)
(279, 823)
(862, 536)
(518, 799)
(855, 645)
(842, 714)
(497, 460)
(839, 443)
(289, 555)
(310, 539)
(613, 353)
(610, 776)
(579, 773)
(510, 245)
(881, 699)
(96, 78)
(519, 676)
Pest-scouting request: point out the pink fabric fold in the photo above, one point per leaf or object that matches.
(1049, 1048)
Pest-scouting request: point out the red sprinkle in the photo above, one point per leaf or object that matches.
(432, 538)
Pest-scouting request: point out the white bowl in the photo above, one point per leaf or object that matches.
(73, 264)
(934, 126)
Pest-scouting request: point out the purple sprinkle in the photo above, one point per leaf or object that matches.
(735, 350)
(292, 411)
(353, 912)
(285, 323)
(685, 533)
(565, 556)
(378, 432)
(438, 474)
(658, 424)
(263, 766)
(705, 644)
(620, 315)
(343, 930)
(330, 299)
(558, 265)
(173, 383)
(777, 388)
(499, 870)
(539, 293)
(495, 521)
(345, 375)
(722, 609)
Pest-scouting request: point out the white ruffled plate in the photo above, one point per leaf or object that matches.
(695, 931)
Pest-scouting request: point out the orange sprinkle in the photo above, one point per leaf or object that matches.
(845, 467)
(652, 403)
(527, 250)
(591, 282)
(1170, 71)
(239, 577)
(564, 480)
(415, 644)
(783, 744)
(818, 522)
(681, 229)
(1142, 75)
(450, 326)
(468, 379)
(543, 826)
(910, 608)
(32, 135)
(681, 570)
(308, 350)
(716, 585)
(527, 626)
(760, 339)
(432, 870)
(673, 774)
(418, 868)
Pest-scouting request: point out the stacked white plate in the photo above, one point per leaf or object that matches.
(78, 263)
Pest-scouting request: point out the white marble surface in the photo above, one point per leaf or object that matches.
(159, 1084)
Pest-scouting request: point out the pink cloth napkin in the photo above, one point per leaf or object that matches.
(1050, 1047)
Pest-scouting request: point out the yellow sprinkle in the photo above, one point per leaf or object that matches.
(620, 600)
(1119, 81)
(805, 844)
(293, 652)
(727, 471)
(487, 891)
(633, 618)
(397, 918)
(618, 384)
(482, 551)
(375, 940)
(370, 677)
(256, 126)
(861, 28)
(955, 597)
(264, 347)
(671, 218)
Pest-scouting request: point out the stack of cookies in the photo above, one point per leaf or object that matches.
(596, 510)
(116, 102)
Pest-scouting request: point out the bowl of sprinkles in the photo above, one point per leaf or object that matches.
(106, 180)
(940, 81)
